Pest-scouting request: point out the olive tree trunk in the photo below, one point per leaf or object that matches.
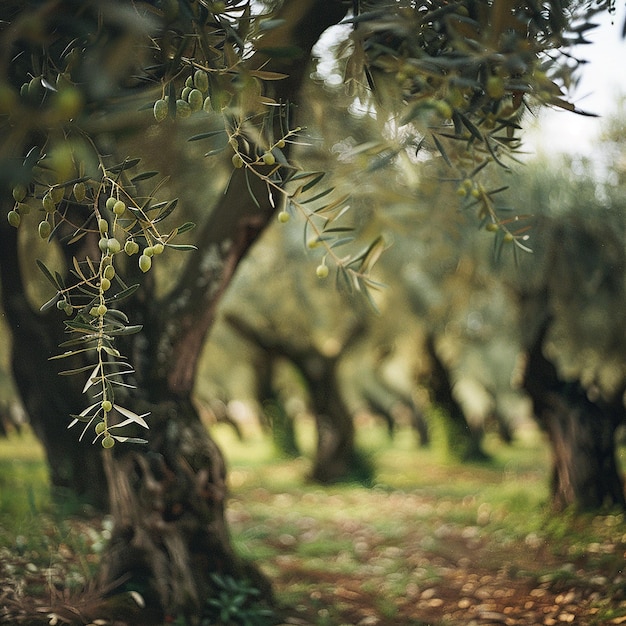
(336, 458)
(462, 442)
(170, 537)
(585, 473)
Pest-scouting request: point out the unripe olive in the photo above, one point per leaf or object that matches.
(207, 107)
(100, 428)
(189, 82)
(145, 263)
(110, 203)
(237, 161)
(103, 244)
(105, 284)
(158, 248)
(131, 247)
(103, 226)
(283, 217)
(44, 229)
(148, 251)
(108, 442)
(268, 158)
(183, 109)
(102, 309)
(23, 208)
(68, 310)
(508, 237)
(184, 94)
(57, 194)
(119, 208)
(322, 271)
(14, 218)
(160, 110)
(109, 272)
(48, 203)
(113, 245)
(79, 191)
(61, 304)
(19, 192)
(491, 227)
(201, 80)
(195, 99)
(280, 143)
(107, 405)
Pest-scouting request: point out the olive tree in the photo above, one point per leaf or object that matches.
(450, 82)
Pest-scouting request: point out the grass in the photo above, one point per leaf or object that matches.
(407, 550)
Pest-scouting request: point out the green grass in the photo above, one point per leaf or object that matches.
(333, 551)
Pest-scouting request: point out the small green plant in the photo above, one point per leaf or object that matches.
(236, 602)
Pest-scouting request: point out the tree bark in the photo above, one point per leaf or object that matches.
(76, 471)
(581, 432)
(170, 537)
(336, 458)
(462, 442)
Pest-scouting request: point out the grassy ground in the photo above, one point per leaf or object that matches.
(429, 543)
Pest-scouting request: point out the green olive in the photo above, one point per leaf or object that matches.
(108, 442)
(44, 229)
(322, 271)
(160, 110)
(79, 191)
(19, 192)
(201, 80)
(14, 218)
(145, 263)
(113, 245)
(195, 99)
(109, 272)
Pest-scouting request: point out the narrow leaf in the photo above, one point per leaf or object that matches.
(133, 416)
(48, 274)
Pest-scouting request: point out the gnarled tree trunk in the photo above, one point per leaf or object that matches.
(168, 497)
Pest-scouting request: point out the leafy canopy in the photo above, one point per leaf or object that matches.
(450, 80)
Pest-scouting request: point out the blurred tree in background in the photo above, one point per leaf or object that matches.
(89, 88)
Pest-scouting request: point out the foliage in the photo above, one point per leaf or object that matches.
(455, 78)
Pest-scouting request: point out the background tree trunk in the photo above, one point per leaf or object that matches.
(76, 471)
(585, 473)
(462, 442)
(336, 458)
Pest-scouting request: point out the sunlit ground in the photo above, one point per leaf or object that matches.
(430, 542)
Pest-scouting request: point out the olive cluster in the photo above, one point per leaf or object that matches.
(193, 97)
